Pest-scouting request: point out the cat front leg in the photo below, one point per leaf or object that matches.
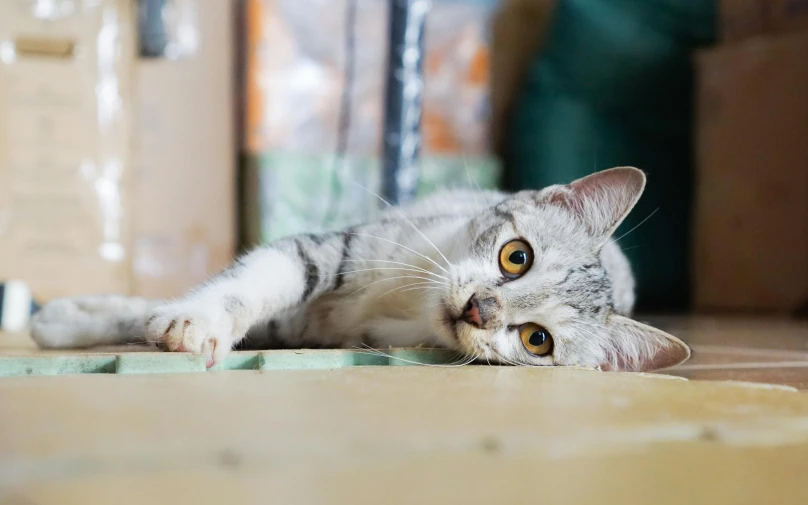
(218, 314)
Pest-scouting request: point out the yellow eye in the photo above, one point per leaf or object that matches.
(536, 339)
(515, 258)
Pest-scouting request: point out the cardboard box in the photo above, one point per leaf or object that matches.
(741, 19)
(184, 158)
(751, 243)
(116, 173)
(65, 109)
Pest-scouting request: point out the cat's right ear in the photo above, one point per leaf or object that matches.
(602, 200)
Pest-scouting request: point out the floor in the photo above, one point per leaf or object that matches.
(473, 434)
(743, 349)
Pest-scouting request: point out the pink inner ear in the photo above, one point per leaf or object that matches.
(664, 358)
(638, 347)
(626, 180)
(669, 357)
(566, 199)
(602, 200)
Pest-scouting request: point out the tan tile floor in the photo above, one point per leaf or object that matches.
(422, 435)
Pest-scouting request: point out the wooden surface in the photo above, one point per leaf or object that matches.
(743, 349)
(474, 434)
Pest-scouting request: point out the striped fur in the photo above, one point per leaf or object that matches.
(403, 281)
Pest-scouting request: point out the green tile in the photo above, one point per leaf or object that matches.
(308, 359)
(160, 362)
(56, 365)
(362, 358)
(416, 357)
(242, 360)
(180, 362)
(288, 192)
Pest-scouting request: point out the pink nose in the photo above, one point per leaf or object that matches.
(471, 312)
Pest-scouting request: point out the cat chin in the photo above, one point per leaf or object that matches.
(444, 326)
(463, 339)
(454, 334)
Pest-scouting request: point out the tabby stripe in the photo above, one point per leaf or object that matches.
(317, 239)
(312, 273)
(582, 270)
(507, 216)
(346, 250)
(485, 240)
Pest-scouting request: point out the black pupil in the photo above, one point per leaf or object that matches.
(518, 257)
(537, 338)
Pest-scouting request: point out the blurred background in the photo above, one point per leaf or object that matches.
(143, 143)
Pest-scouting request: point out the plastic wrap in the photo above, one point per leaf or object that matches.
(183, 149)
(306, 56)
(96, 139)
(64, 139)
(167, 28)
(297, 75)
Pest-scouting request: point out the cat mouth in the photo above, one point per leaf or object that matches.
(450, 322)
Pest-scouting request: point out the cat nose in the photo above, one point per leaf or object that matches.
(471, 312)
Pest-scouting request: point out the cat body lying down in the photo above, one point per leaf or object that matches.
(530, 278)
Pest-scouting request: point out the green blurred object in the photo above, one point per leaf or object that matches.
(313, 200)
(614, 86)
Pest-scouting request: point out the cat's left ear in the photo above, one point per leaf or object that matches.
(637, 347)
(602, 200)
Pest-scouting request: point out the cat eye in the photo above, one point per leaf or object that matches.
(515, 258)
(536, 339)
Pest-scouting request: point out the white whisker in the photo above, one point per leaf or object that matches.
(398, 263)
(424, 288)
(403, 246)
(462, 362)
(638, 225)
(471, 186)
(390, 279)
(408, 222)
(404, 286)
(388, 268)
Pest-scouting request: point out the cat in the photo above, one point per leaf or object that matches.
(531, 278)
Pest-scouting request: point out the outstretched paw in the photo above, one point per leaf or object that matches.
(188, 328)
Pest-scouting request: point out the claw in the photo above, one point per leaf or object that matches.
(208, 349)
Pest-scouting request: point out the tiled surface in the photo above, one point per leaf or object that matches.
(743, 349)
(399, 435)
(420, 434)
(124, 363)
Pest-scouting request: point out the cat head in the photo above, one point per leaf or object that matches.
(541, 283)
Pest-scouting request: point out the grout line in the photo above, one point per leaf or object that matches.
(748, 351)
(170, 362)
(738, 366)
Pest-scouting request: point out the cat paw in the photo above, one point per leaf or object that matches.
(187, 327)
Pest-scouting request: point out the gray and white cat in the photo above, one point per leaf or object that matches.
(531, 278)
